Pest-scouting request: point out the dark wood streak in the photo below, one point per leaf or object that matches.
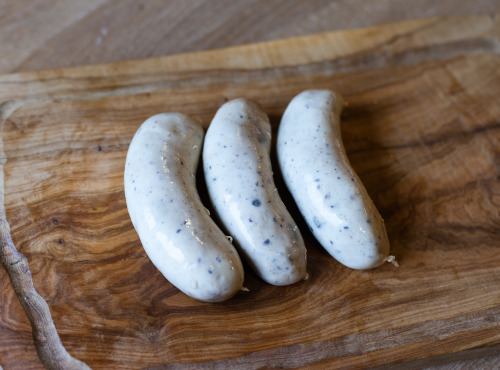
(100, 148)
(350, 345)
(471, 359)
(456, 136)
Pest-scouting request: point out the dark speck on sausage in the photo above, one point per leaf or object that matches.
(256, 203)
(317, 222)
(267, 242)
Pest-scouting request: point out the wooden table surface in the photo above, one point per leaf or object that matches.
(46, 34)
(39, 35)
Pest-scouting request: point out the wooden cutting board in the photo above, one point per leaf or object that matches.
(422, 129)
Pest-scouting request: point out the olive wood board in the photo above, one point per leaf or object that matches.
(421, 128)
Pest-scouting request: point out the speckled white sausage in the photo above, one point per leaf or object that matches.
(328, 192)
(237, 165)
(178, 235)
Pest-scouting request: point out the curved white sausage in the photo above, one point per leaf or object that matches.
(237, 166)
(179, 237)
(328, 192)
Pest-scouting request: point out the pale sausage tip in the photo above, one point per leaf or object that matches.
(199, 120)
(392, 259)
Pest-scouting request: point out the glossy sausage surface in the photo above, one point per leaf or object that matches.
(237, 166)
(178, 235)
(327, 191)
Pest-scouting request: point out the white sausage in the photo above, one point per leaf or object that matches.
(181, 240)
(237, 166)
(327, 191)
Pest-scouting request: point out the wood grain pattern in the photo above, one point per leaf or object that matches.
(47, 34)
(421, 129)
